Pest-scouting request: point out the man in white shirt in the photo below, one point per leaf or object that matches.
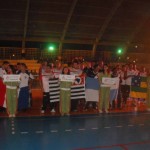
(54, 87)
(128, 79)
(75, 70)
(46, 76)
(123, 87)
(143, 72)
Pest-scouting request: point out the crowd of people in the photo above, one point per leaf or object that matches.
(15, 95)
(99, 95)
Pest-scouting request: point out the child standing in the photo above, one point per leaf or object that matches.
(104, 91)
(65, 93)
(23, 99)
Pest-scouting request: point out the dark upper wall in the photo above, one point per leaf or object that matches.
(112, 22)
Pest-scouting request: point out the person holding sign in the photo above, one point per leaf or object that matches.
(11, 82)
(2, 85)
(23, 98)
(75, 70)
(114, 89)
(148, 92)
(46, 75)
(53, 83)
(104, 90)
(65, 90)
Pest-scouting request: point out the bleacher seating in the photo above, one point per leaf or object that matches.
(31, 64)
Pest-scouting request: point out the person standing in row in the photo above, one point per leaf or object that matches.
(46, 75)
(148, 92)
(23, 98)
(11, 93)
(104, 91)
(3, 69)
(65, 94)
(129, 74)
(75, 70)
(54, 87)
(114, 89)
(92, 87)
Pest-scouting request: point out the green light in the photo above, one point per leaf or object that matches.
(119, 51)
(51, 48)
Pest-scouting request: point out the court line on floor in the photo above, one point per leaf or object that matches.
(54, 131)
(112, 114)
(24, 132)
(141, 124)
(124, 146)
(118, 126)
(68, 130)
(83, 129)
(95, 128)
(39, 132)
(82, 116)
(107, 127)
(130, 125)
(12, 126)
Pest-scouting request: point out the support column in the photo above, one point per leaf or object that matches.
(25, 29)
(67, 25)
(105, 25)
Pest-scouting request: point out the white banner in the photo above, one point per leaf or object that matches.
(67, 78)
(116, 85)
(11, 78)
(108, 81)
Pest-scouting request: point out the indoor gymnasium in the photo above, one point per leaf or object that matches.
(74, 75)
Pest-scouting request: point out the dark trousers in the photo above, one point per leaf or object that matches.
(74, 104)
(91, 105)
(119, 97)
(125, 91)
(46, 101)
(54, 105)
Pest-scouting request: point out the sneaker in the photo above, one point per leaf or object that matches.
(106, 111)
(42, 111)
(13, 115)
(53, 111)
(100, 111)
(10, 116)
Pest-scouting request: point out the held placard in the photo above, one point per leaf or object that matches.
(67, 78)
(108, 81)
(11, 78)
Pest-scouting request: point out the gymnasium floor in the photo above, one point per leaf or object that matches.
(124, 131)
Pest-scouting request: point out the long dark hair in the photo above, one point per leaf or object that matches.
(68, 70)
